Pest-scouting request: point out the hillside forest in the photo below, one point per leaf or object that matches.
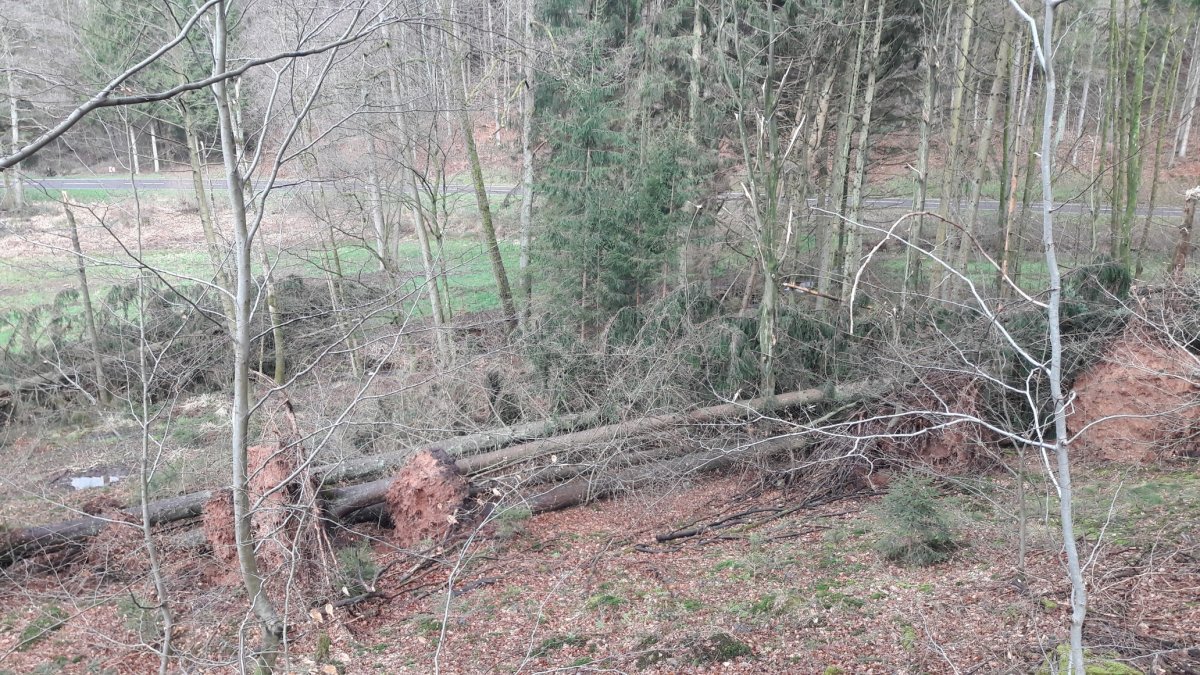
(665, 336)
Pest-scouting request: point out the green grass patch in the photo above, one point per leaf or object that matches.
(604, 601)
(49, 620)
(557, 642)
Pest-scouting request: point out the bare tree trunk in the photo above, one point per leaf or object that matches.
(1118, 66)
(912, 259)
(1163, 121)
(85, 294)
(1027, 196)
(154, 145)
(334, 277)
(1061, 127)
(1184, 248)
(1189, 105)
(145, 470)
(949, 195)
(1083, 101)
(1019, 95)
(854, 233)
(527, 111)
(459, 97)
(833, 242)
(264, 610)
(1074, 570)
(135, 165)
(984, 144)
(420, 221)
(1133, 170)
(14, 190)
(694, 70)
(379, 223)
(206, 216)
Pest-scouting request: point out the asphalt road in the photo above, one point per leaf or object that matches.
(55, 185)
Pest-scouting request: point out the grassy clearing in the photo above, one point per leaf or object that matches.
(36, 282)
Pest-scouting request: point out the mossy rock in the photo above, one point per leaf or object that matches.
(1093, 664)
(719, 648)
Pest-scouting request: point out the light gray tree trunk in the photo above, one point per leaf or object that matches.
(1189, 103)
(420, 222)
(154, 145)
(1083, 100)
(85, 294)
(1163, 121)
(133, 148)
(379, 223)
(207, 222)
(984, 144)
(263, 608)
(14, 191)
(913, 259)
(833, 239)
(1054, 301)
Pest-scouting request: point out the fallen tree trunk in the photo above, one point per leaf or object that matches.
(19, 543)
(342, 502)
(759, 406)
(584, 489)
(458, 445)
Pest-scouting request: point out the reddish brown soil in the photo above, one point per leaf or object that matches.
(1138, 403)
(588, 589)
(424, 496)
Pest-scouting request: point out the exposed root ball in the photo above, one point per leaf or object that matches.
(423, 497)
(217, 516)
(1152, 388)
(270, 467)
(117, 550)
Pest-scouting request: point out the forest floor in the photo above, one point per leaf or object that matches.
(589, 590)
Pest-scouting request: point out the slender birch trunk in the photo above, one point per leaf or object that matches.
(135, 165)
(1055, 373)
(14, 191)
(263, 608)
(1189, 104)
(154, 145)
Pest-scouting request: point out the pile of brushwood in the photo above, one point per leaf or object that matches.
(908, 400)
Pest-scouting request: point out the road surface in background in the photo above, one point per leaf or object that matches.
(55, 185)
